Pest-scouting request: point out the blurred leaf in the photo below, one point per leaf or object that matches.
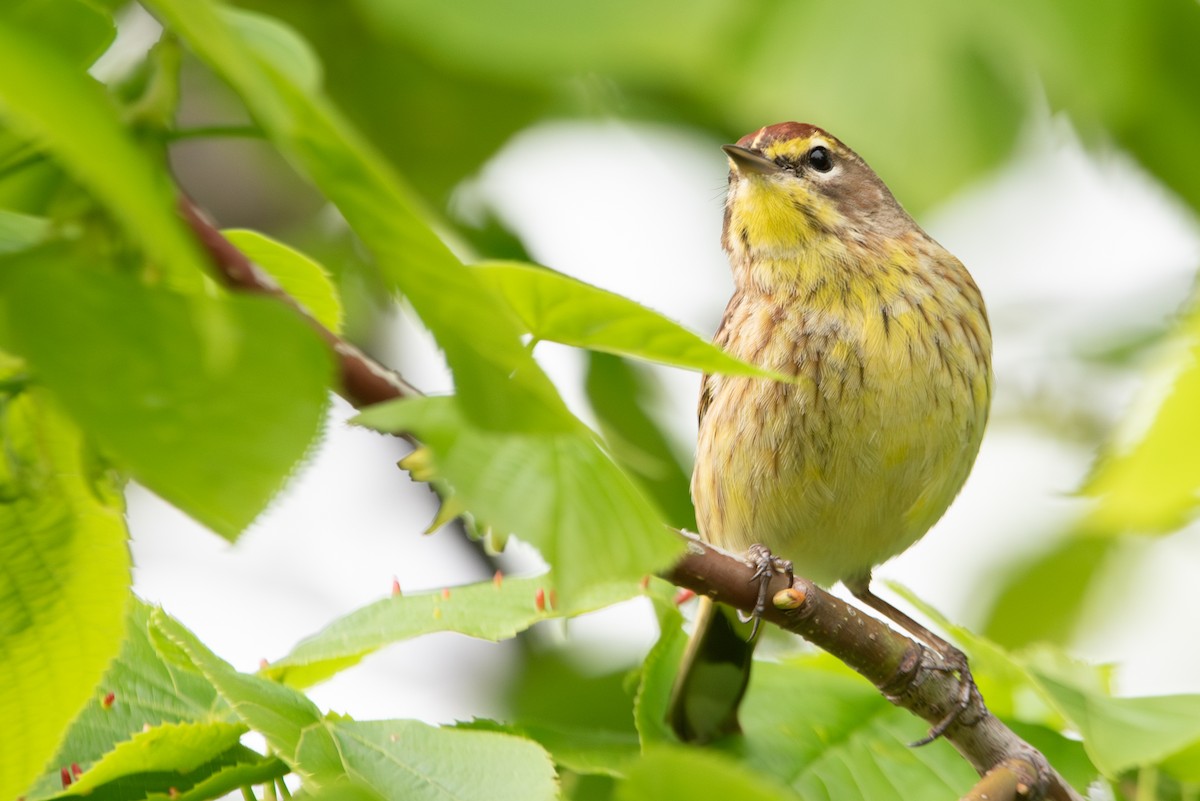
(277, 45)
(559, 308)
(1124, 347)
(499, 384)
(29, 179)
(475, 113)
(539, 39)
(170, 747)
(79, 30)
(1118, 733)
(698, 775)
(488, 610)
(925, 91)
(1184, 764)
(1126, 70)
(1065, 755)
(583, 718)
(344, 791)
(1124, 733)
(21, 231)
(69, 112)
(228, 780)
(1043, 599)
(64, 559)
(587, 787)
(149, 91)
(575, 747)
(659, 668)
(1153, 484)
(211, 402)
(620, 397)
(559, 492)
(1008, 679)
(301, 277)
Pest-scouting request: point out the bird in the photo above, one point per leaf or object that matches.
(884, 340)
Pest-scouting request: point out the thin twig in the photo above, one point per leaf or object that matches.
(364, 381)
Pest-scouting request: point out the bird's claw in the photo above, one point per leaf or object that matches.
(953, 661)
(766, 566)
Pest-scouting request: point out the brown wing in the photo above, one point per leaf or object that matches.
(721, 340)
(706, 396)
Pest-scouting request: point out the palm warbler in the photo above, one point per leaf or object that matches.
(886, 332)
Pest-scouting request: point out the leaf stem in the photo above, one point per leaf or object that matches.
(214, 131)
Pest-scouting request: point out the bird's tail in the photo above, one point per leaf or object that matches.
(712, 677)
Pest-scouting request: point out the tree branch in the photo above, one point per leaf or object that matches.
(908, 674)
(364, 381)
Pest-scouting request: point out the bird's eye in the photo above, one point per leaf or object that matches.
(820, 159)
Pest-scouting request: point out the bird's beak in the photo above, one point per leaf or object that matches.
(745, 160)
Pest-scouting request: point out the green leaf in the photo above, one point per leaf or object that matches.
(812, 725)
(399, 759)
(210, 402)
(64, 581)
(344, 791)
(78, 30)
(558, 308)
(277, 45)
(698, 775)
(228, 780)
(301, 277)
(280, 714)
(941, 71)
(828, 734)
(620, 396)
(490, 611)
(21, 231)
(559, 492)
(1066, 755)
(406, 760)
(532, 39)
(499, 385)
(659, 669)
(1153, 483)
(171, 747)
(583, 749)
(1008, 679)
(139, 691)
(582, 717)
(1184, 764)
(1124, 733)
(1043, 599)
(41, 90)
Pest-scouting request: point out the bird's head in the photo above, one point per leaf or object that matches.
(795, 190)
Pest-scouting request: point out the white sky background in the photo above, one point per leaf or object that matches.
(1062, 244)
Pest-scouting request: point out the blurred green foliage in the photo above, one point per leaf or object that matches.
(121, 357)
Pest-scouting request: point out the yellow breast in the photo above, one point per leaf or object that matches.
(854, 462)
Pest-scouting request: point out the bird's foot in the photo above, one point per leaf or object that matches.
(766, 567)
(953, 661)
